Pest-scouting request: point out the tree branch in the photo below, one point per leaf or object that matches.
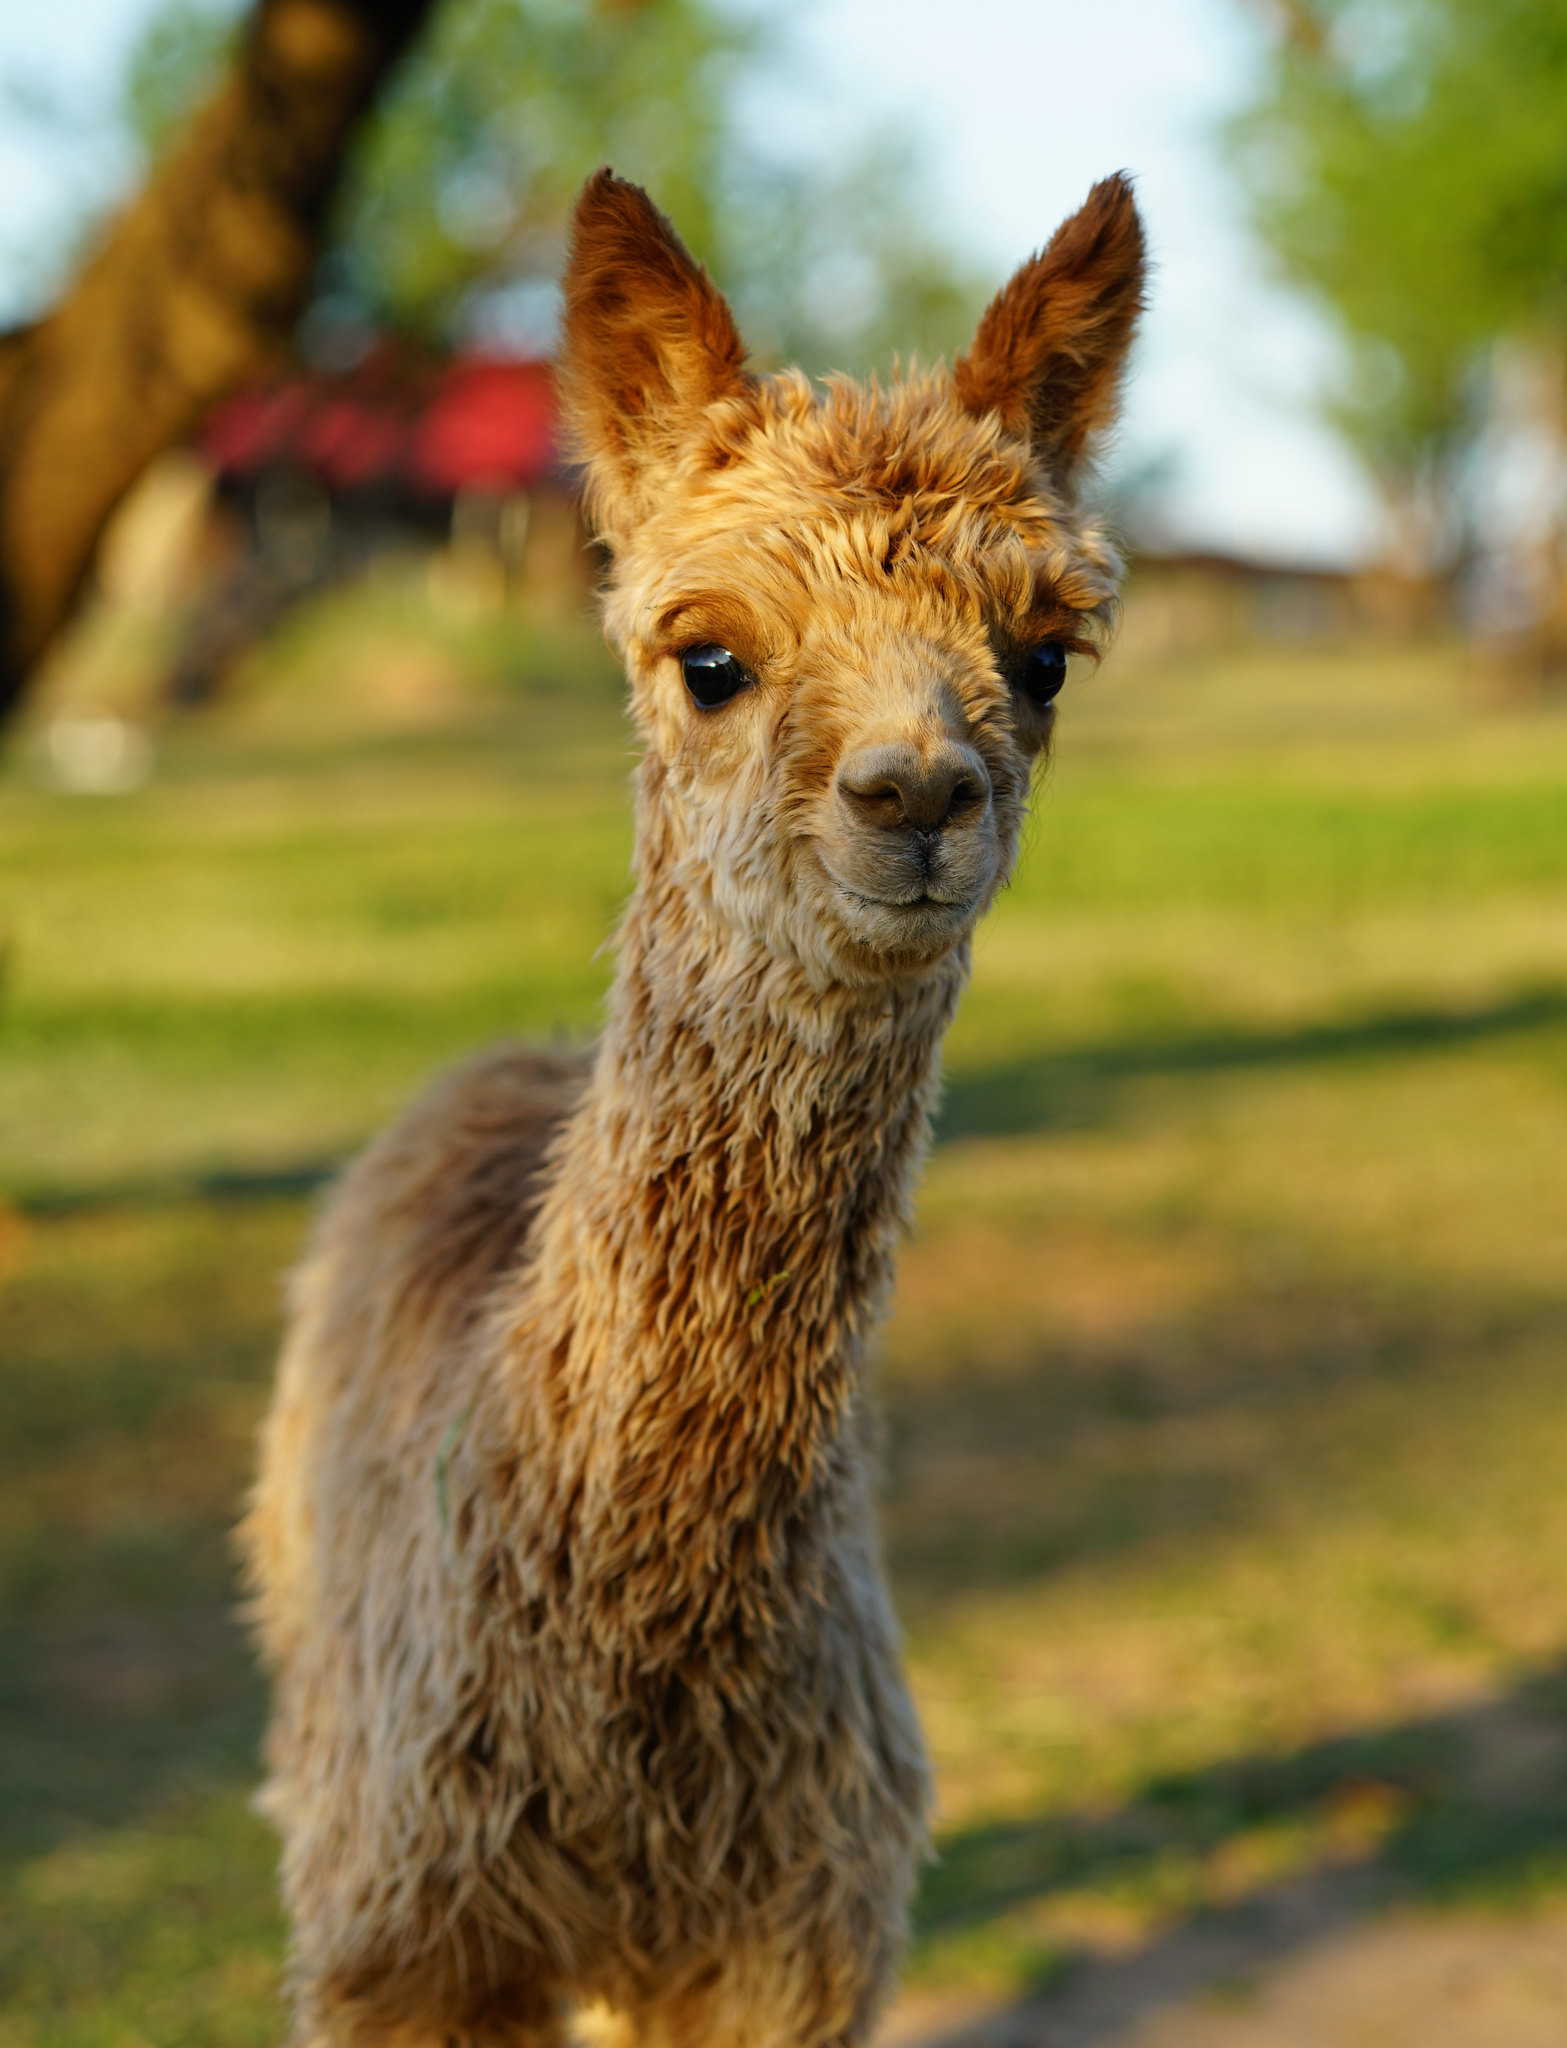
(192, 290)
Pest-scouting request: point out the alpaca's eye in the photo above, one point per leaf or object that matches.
(1042, 671)
(713, 675)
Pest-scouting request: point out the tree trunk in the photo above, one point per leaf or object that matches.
(192, 290)
(1518, 606)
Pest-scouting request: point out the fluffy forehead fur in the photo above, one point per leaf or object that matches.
(895, 495)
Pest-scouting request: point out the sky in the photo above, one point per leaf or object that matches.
(1017, 106)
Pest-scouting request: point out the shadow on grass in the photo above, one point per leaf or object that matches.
(221, 1186)
(1468, 1807)
(1073, 1088)
(1203, 1425)
(137, 1350)
(1076, 1088)
(106, 1718)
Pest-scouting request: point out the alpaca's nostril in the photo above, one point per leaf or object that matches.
(968, 793)
(897, 786)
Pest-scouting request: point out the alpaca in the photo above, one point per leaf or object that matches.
(587, 1686)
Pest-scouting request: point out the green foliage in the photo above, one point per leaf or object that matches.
(453, 216)
(467, 171)
(839, 268)
(171, 67)
(1407, 161)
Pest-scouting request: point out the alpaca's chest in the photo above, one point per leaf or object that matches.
(673, 1792)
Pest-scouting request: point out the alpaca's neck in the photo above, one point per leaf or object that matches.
(719, 1238)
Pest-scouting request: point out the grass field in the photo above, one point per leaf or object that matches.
(1227, 1390)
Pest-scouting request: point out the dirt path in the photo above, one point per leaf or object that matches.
(1306, 1971)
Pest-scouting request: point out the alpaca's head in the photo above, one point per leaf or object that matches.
(844, 613)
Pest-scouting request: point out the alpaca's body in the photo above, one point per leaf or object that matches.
(607, 1674)
(587, 1682)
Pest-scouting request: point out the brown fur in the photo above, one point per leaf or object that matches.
(1050, 350)
(587, 1685)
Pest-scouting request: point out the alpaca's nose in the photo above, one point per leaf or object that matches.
(895, 784)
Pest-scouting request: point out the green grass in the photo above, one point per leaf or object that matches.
(135, 1890)
(1227, 1392)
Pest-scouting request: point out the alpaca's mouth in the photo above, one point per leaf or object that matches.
(910, 916)
(924, 901)
(921, 926)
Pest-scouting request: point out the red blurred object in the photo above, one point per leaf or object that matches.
(397, 428)
(487, 422)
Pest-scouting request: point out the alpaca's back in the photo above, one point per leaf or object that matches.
(415, 1237)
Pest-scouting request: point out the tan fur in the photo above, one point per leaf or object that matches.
(587, 1684)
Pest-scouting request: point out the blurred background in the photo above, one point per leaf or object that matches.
(1227, 1387)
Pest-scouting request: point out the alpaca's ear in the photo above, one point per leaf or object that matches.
(649, 340)
(1051, 346)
